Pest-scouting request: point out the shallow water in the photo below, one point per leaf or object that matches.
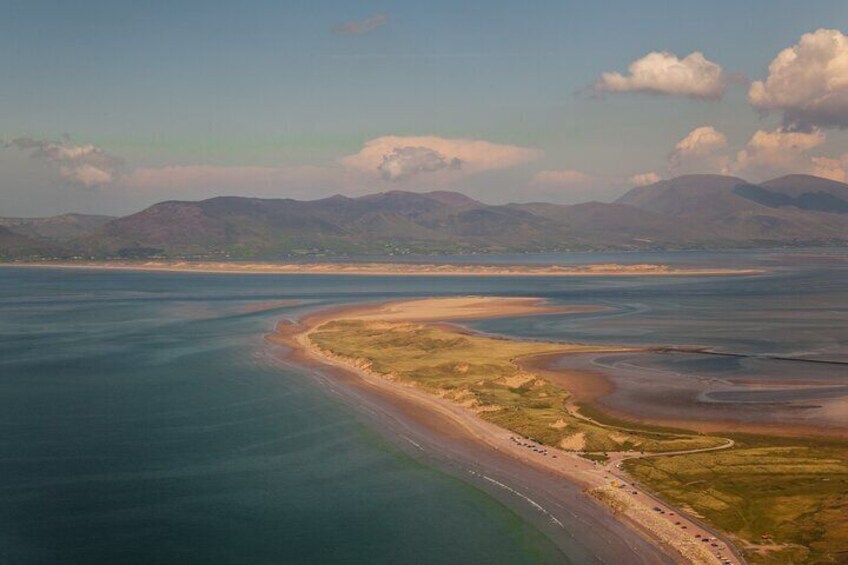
(145, 420)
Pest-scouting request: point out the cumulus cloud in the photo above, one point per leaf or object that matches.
(405, 162)
(402, 158)
(704, 139)
(363, 26)
(83, 165)
(87, 175)
(660, 72)
(701, 151)
(830, 168)
(808, 82)
(644, 179)
(767, 154)
(771, 153)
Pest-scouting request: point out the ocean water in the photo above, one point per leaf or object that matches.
(143, 418)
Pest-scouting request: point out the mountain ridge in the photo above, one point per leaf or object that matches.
(56, 228)
(693, 211)
(14, 246)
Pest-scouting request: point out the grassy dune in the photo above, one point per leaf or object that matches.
(787, 499)
(480, 372)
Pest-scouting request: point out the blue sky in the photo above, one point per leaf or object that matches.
(191, 99)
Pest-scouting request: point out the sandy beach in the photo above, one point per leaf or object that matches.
(641, 528)
(389, 269)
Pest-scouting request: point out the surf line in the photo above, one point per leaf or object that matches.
(416, 444)
(532, 502)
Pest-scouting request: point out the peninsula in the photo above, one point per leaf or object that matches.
(413, 354)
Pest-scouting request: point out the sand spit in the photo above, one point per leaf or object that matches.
(391, 269)
(676, 535)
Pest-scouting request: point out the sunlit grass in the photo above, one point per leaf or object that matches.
(481, 373)
(788, 501)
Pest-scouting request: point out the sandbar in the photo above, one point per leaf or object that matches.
(390, 269)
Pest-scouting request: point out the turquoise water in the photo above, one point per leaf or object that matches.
(143, 419)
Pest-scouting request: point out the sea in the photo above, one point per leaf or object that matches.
(145, 419)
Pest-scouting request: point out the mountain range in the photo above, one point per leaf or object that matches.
(688, 212)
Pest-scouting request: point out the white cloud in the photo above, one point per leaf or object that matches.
(834, 169)
(391, 159)
(660, 72)
(808, 82)
(644, 179)
(773, 153)
(363, 26)
(701, 140)
(83, 165)
(87, 175)
(701, 151)
(401, 158)
(405, 162)
(767, 154)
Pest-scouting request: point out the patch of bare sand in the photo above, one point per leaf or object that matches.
(517, 380)
(462, 308)
(575, 442)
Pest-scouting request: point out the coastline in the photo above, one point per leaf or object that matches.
(612, 507)
(390, 269)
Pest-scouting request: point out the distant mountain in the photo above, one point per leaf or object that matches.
(390, 222)
(728, 209)
(16, 246)
(687, 195)
(599, 225)
(806, 193)
(695, 211)
(56, 228)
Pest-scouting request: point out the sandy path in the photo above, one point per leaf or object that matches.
(680, 535)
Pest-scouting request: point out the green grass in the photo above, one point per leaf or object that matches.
(481, 372)
(788, 502)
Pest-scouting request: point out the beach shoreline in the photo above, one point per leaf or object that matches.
(389, 269)
(635, 510)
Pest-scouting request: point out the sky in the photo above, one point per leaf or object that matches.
(110, 106)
